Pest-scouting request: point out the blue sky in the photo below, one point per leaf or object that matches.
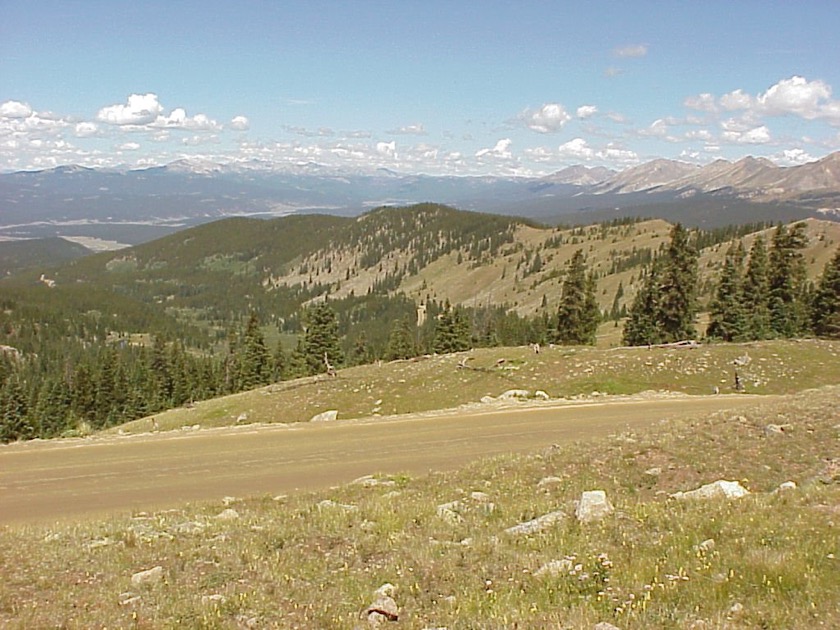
(466, 87)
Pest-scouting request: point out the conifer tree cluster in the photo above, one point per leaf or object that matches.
(666, 305)
(578, 315)
(771, 298)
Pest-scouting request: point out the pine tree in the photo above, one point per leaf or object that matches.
(321, 338)
(255, 362)
(825, 304)
(787, 282)
(452, 331)
(642, 326)
(756, 293)
(728, 321)
(577, 315)
(678, 288)
(400, 341)
(14, 420)
(279, 362)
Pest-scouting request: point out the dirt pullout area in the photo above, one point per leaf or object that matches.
(71, 479)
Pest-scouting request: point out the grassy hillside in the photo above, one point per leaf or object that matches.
(767, 560)
(427, 384)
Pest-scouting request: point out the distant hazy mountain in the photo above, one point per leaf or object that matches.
(139, 205)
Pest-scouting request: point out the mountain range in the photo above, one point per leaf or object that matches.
(112, 207)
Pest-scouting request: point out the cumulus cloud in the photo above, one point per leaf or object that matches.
(387, 148)
(178, 119)
(793, 157)
(577, 149)
(737, 99)
(409, 130)
(128, 146)
(635, 50)
(547, 119)
(757, 135)
(15, 109)
(586, 111)
(240, 123)
(86, 130)
(500, 150)
(141, 109)
(704, 102)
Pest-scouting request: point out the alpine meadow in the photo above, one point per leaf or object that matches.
(427, 316)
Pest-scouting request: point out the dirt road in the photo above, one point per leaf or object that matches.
(71, 479)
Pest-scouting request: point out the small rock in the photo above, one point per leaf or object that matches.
(127, 599)
(213, 600)
(787, 485)
(327, 504)
(487, 400)
(603, 625)
(555, 568)
(514, 394)
(736, 609)
(776, 429)
(242, 417)
(227, 515)
(449, 512)
(383, 609)
(549, 481)
(716, 489)
(654, 472)
(226, 501)
(149, 576)
(541, 395)
(593, 506)
(706, 546)
(386, 590)
(480, 497)
(538, 524)
(325, 416)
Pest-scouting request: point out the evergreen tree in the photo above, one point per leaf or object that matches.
(452, 331)
(787, 282)
(728, 320)
(678, 288)
(14, 420)
(255, 363)
(279, 362)
(401, 341)
(756, 293)
(825, 304)
(577, 315)
(83, 394)
(321, 338)
(642, 326)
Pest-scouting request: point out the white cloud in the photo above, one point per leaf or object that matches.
(86, 130)
(586, 111)
(240, 123)
(178, 119)
(128, 146)
(737, 99)
(500, 150)
(635, 50)
(15, 109)
(704, 102)
(387, 148)
(141, 109)
(792, 157)
(617, 155)
(547, 119)
(409, 130)
(757, 135)
(577, 149)
(796, 96)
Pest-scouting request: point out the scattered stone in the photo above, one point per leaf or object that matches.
(487, 400)
(325, 416)
(555, 568)
(213, 600)
(604, 625)
(831, 472)
(100, 542)
(736, 609)
(449, 512)
(149, 576)
(226, 501)
(280, 497)
(480, 497)
(538, 524)
(787, 485)
(654, 472)
(128, 598)
(706, 546)
(386, 590)
(243, 417)
(776, 429)
(369, 481)
(514, 394)
(714, 490)
(328, 504)
(383, 608)
(545, 482)
(541, 395)
(593, 506)
(227, 515)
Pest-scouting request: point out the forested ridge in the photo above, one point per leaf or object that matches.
(241, 303)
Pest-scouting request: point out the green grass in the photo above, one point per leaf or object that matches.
(292, 563)
(776, 367)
